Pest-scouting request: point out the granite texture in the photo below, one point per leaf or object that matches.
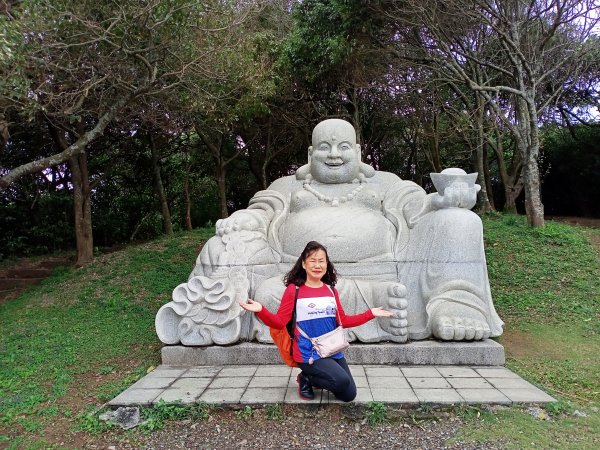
(430, 352)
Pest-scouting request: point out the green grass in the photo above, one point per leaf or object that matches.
(274, 412)
(69, 330)
(549, 275)
(376, 414)
(546, 286)
(83, 335)
(517, 429)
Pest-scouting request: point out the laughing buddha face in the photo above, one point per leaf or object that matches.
(334, 154)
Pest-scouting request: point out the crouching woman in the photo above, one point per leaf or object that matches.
(317, 308)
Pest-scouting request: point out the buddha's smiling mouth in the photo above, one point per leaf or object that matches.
(334, 163)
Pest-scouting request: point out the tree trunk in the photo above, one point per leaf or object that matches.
(488, 177)
(159, 188)
(222, 191)
(533, 199)
(220, 167)
(484, 202)
(268, 151)
(82, 209)
(186, 198)
(511, 192)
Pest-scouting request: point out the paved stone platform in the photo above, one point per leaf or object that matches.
(392, 384)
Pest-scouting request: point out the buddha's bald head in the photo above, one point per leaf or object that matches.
(333, 128)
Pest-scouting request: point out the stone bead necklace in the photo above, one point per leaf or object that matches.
(335, 200)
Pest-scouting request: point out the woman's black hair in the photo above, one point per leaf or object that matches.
(297, 275)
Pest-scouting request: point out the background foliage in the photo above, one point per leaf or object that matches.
(227, 93)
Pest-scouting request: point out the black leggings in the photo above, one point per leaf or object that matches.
(333, 375)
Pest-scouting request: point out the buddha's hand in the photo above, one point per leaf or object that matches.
(457, 195)
(238, 221)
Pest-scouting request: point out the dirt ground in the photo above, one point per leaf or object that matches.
(322, 428)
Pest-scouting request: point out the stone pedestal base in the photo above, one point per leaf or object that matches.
(483, 353)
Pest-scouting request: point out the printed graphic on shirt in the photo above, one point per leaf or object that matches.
(315, 308)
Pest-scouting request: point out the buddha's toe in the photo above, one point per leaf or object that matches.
(459, 329)
(470, 330)
(482, 331)
(443, 328)
(397, 290)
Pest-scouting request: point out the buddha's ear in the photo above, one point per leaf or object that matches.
(366, 170)
(302, 172)
(358, 152)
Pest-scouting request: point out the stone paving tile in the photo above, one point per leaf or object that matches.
(153, 383)
(363, 395)
(229, 382)
(510, 383)
(438, 396)
(427, 372)
(361, 382)
(428, 383)
(273, 371)
(388, 382)
(457, 372)
(264, 395)
(222, 395)
(191, 383)
(496, 372)
(292, 383)
(237, 371)
(394, 395)
(383, 372)
(136, 397)
(167, 372)
(291, 396)
(483, 396)
(268, 382)
(185, 396)
(357, 371)
(202, 372)
(533, 395)
(469, 383)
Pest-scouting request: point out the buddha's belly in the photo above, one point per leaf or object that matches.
(350, 233)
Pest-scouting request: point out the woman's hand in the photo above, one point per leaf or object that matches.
(251, 306)
(380, 312)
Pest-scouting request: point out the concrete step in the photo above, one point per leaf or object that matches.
(482, 353)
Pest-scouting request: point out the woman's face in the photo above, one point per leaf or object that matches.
(315, 265)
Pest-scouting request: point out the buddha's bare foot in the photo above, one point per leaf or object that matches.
(392, 296)
(456, 322)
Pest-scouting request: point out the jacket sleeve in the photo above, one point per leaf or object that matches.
(284, 313)
(351, 321)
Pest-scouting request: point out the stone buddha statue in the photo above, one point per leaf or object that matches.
(419, 255)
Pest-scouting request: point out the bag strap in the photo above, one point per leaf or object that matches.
(337, 310)
(303, 333)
